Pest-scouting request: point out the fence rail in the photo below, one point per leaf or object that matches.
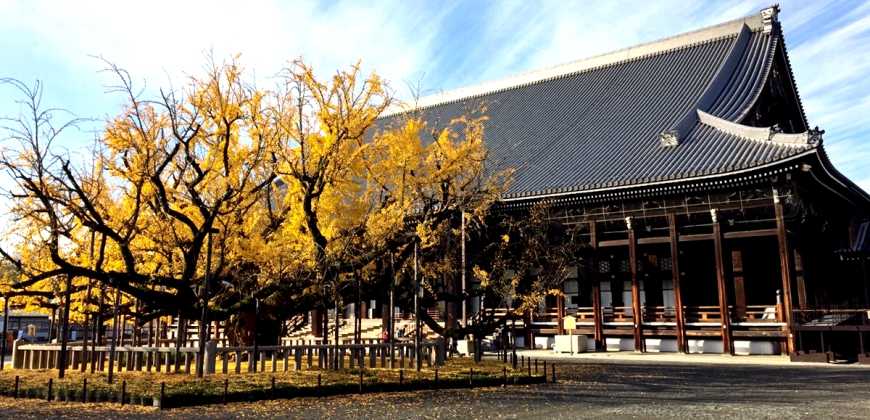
(179, 360)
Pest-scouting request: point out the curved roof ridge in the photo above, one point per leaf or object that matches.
(716, 84)
(728, 29)
(806, 139)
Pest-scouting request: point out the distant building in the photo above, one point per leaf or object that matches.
(33, 326)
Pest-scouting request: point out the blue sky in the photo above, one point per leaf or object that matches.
(436, 45)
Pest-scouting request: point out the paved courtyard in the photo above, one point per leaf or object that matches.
(617, 388)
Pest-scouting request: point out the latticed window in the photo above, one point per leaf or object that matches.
(666, 263)
(623, 266)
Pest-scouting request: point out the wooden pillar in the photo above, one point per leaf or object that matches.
(560, 313)
(637, 316)
(739, 284)
(727, 347)
(800, 280)
(595, 276)
(785, 271)
(675, 277)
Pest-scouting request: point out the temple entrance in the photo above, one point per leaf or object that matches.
(656, 282)
(698, 281)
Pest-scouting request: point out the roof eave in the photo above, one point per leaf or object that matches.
(769, 168)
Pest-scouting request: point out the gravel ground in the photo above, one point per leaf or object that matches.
(585, 390)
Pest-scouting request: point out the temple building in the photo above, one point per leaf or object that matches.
(715, 221)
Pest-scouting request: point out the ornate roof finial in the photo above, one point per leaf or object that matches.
(814, 136)
(769, 17)
(669, 138)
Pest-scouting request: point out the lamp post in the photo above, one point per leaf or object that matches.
(463, 262)
(392, 312)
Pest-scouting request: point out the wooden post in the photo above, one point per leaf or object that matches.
(114, 342)
(62, 363)
(595, 276)
(675, 278)
(727, 347)
(5, 329)
(739, 284)
(84, 358)
(637, 316)
(785, 272)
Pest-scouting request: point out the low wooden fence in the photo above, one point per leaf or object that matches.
(180, 360)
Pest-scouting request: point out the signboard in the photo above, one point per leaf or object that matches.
(569, 323)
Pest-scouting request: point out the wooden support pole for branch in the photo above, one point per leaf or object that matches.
(114, 343)
(61, 365)
(84, 359)
(5, 331)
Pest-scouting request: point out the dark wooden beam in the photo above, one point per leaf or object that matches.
(613, 243)
(696, 237)
(785, 272)
(721, 285)
(675, 276)
(757, 333)
(637, 316)
(585, 213)
(654, 240)
(757, 233)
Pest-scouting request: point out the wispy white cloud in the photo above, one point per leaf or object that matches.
(161, 40)
(441, 45)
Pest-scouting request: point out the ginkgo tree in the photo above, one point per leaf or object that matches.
(213, 199)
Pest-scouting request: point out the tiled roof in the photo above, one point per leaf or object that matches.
(598, 123)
